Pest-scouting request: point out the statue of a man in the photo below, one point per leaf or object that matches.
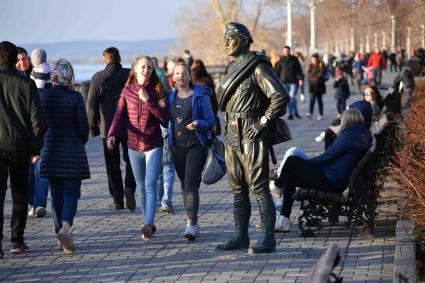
(250, 96)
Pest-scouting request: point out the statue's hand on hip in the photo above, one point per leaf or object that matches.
(255, 130)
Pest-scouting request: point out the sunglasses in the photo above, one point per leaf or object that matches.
(368, 93)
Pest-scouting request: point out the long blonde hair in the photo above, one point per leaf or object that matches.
(350, 117)
(153, 80)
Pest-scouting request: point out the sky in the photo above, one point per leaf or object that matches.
(42, 21)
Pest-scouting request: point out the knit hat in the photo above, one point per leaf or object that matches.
(366, 109)
(38, 56)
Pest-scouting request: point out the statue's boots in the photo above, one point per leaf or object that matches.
(242, 213)
(267, 242)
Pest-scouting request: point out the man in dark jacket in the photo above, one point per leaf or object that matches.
(291, 75)
(250, 95)
(20, 137)
(105, 89)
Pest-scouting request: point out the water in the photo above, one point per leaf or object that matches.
(85, 72)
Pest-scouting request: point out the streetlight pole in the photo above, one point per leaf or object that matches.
(289, 23)
(312, 26)
(392, 32)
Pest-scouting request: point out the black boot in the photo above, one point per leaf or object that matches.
(267, 242)
(242, 213)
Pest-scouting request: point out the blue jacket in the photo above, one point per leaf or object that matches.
(339, 160)
(63, 154)
(201, 112)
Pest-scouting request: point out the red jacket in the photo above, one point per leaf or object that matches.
(144, 118)
(376, 61)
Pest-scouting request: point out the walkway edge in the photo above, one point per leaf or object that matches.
(405, 251)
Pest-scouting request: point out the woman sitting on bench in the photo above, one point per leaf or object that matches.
(329, 171)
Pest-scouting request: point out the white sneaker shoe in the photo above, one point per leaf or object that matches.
(31, 211)
(319, 117)
(192, 232)
(283, 224)
(320, 137)
(274, 190)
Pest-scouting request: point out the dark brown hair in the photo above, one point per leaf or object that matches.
(153, 80)
(112, 55)
(8, 54)
(376, 95)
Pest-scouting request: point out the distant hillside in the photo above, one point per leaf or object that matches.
(90, 52)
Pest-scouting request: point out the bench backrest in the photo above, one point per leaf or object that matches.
(362, 180)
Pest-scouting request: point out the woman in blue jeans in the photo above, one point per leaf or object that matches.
(142, 103)
(190, 130)
(63, 157)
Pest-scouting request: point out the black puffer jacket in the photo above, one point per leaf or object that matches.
(20, 119)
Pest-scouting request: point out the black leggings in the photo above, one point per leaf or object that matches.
(189, 163)
(319, 102)
(298, 172)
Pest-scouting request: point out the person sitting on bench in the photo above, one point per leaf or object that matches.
(329, 171)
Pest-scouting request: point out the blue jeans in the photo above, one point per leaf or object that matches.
(166, 184)
(65, 194)
(146, 168)
(38, 188)
(292, 106)
(290, 152)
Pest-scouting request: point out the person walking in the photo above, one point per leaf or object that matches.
(291, 75)
(342, 92)
(104, 91)
(190, 131)
(317, 87)
(376, 64)
(38, 188)
(143, 104)
(63, 157)
(20, 138)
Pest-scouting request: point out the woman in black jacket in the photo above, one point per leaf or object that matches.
(315, 73)
(63, 157)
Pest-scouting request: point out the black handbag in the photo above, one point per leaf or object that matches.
(215, 166)
(279, 131)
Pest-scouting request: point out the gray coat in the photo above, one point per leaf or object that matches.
(63, 154)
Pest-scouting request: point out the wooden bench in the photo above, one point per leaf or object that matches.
(359, 202)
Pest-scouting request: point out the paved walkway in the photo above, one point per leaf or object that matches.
(110, 248)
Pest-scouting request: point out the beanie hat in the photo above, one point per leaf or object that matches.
(366, 109)
(38, 56)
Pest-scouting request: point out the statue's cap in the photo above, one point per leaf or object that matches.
(239, 30)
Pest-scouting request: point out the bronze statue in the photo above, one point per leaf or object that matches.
(250, 96)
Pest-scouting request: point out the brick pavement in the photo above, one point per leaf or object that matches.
(110, 248)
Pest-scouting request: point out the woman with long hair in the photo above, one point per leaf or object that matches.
(316, 82)
(63, 157)
(189, 132)
(143, 104)
(329, 171)
(372, 95)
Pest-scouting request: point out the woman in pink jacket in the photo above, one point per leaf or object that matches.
(142, 108)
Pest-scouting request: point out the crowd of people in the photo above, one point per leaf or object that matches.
(164, 116)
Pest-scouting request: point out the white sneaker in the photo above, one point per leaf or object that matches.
(274, 190)
(283, 224)
(192, 232)
(319, 117)
(320, 137)
(31, 211)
